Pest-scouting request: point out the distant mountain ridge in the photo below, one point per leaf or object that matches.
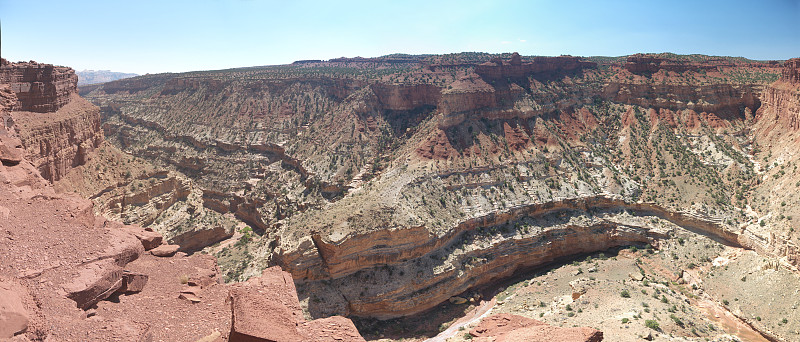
(86, 77)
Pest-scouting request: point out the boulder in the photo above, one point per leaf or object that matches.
(165, 250)
(95, 281)
(13, 316)
(579, 287)
(10, 152)
(132, 282)
(149, 239)
(266, 308)
(203, 277)
(190, 297)
(636, 276)
(331, 329)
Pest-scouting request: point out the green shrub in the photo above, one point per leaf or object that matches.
(651, 324)
(677, 320)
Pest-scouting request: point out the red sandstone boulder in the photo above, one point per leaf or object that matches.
(10, 149)
(331, 329)
(133, 282)
(149, 239)
(13, 316)
(95, 281)
(204, 277)
(266, 308)
(509, 328)
(165, 250)
(190, 297)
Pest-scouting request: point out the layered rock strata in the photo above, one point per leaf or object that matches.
(641, 63)
(791, 71)
(434, 268)
(516, 68)
(59, 141)
(725, 100)
(68, 128)
(40, 87)
(780, 112)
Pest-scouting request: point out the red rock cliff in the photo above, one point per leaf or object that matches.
(498, 69)
(645, 63)
(780, 112)
(791, 71)
(57, 127)
(406, 97)
(40, 87)
(56, 142)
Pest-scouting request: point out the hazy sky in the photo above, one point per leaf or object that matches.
(157, 36)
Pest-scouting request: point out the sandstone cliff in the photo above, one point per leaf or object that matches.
(781, 105)
(58, 141)
(57, 127)
(541, 67)
(479, 251)
(40, 87)
(791, 71)
(641, 63)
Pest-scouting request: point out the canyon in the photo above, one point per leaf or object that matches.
(385, 189)
(67, 274)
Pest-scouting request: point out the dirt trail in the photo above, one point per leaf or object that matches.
(473, 316)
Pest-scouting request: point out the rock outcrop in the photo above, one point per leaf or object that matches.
(266, 308)
(502, 89)
(411, 270)
(14, 318)
(58, 128)
(791, 71)
(406, 97)
(59, 141)
(41, 88)
(516, 68)
(724, 100)
(780, 112)
(643, 63)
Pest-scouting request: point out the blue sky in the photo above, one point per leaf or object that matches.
(160, 36)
